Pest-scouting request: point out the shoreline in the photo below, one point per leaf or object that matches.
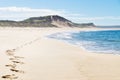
(67, 35)
(57, 60)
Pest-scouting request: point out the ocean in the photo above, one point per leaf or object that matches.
(106, 41)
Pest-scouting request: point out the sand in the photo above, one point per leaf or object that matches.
(32, 56)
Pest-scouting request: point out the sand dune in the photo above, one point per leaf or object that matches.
(36, 57)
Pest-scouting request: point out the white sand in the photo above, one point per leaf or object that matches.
(49, 59)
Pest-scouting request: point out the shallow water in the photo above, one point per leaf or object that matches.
(95, 41)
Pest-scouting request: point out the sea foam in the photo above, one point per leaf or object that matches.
(106, 41)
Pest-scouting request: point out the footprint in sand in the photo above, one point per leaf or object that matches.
(19, 57)
(16, 58)
(11, 65)
(15, 70)
(18, 62)
(10, 52)
(13, 59)
(10, 77)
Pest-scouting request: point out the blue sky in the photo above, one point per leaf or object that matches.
(100, 12)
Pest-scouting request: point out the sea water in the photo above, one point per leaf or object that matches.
(107, 41)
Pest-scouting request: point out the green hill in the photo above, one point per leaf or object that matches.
(45, 21)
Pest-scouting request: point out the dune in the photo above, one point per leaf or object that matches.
(36, 57)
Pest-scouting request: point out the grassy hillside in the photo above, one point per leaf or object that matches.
(45, 21)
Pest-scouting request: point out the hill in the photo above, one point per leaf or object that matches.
(45, 21)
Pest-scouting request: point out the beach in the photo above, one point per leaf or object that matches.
(42, 58)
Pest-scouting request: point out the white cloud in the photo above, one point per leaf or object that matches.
(105, 20)
(26, 9)
(100, 18)
(20, 13)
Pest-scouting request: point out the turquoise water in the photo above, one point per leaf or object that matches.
(94, 41)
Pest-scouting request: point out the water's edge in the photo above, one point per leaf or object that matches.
(90, 46)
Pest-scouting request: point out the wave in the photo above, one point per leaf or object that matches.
(93, 41)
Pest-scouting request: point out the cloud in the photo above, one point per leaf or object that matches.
(101, 18)
(19, 13)
(107, 20)
(26, 9)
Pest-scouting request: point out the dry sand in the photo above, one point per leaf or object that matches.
(41, 58)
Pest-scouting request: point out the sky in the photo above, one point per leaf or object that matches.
(100, 12)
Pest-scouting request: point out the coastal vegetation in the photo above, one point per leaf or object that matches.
(44, 21)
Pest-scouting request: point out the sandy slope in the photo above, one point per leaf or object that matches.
(49, 59)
